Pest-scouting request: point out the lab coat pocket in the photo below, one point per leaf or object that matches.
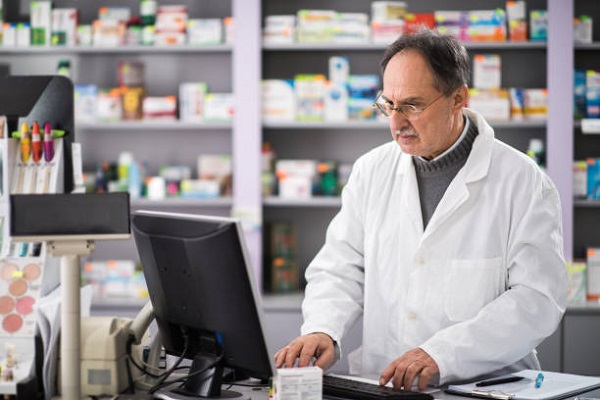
(469, 285)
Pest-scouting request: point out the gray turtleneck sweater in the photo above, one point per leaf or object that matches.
(434, 177)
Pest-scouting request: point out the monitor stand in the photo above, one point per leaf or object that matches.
(206, 380)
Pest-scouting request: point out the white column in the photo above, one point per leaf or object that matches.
(247, 131)
(559, 137)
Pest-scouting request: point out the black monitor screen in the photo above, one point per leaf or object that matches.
(201, 287)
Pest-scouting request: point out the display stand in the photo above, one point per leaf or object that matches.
(64, 225)
(70, 232)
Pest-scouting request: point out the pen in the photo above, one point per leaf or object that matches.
(36, 143)
(499, 381)
(539, 380)
(25, 143)
(48, 142)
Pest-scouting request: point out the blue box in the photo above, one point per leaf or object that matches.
(593, 178)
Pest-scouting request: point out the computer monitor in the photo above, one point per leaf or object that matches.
(202, 289)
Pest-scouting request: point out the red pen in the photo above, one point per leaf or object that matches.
(36, 143)
(48, 142)
(25, 143)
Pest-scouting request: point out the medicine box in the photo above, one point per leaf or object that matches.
(278, 100)
(454, 23)
(487, 71)
(298, 383)
(535, 102)
(64, 26)
(487, 25)
(279, 28)
(41, 22)
(191, 100)
(516, 14)
(580, 179)
(593, 274)
(592, 93)
(205, 31)
(577, 271)
(593, 178)
(388, 10)
(416, 21)
(336, 102)
(310, 97)
(492, 104)
(538, 25)
(296, 177)
(219, 107)
(582, 29)
(579, 94)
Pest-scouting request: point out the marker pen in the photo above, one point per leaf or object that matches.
(36, 143)
(25, 142)
(48, 142)
(25, 147)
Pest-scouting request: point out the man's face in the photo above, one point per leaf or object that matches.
(408, 80)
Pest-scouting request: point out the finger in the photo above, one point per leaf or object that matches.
(304, 359)
(387, 374)
(292, 354)
(325, 359)
(398, 377)
(411, 373)
(280, 356)
(425, 377)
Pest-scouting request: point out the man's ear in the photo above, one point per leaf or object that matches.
(461, 97)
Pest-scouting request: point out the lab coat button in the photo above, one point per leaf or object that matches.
(420, 260)
(412, 316)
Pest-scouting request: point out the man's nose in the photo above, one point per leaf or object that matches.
(398, 121)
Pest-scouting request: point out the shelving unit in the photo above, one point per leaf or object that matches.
(585, 214)
(523, 65)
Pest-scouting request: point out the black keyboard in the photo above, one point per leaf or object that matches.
(334, 386)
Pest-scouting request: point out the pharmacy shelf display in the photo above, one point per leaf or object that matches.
(586, 144)
(523, 65)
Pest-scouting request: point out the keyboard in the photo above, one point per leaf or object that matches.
(335, 386)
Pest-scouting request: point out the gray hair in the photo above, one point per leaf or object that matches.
(446, 56)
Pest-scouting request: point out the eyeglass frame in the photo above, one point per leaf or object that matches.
(414, 112)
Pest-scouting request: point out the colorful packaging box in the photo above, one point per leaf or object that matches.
(487, 71)
(593, 274)
(41, 22)
(538, 25)
(593, 178)
(278, 100)
(310, 97)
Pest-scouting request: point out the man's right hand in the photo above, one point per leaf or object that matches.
(318, 346)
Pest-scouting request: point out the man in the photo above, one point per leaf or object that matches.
(449, 242)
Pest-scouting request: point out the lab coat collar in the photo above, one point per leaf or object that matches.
(476, 168)
(478, 163)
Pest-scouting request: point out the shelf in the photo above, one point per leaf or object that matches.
(150, 125)
(381, 46)
(366, 124)
(585, 203)
(587, 46)
(34, 50)
(274, 201)
(181, 202)
(376, 124)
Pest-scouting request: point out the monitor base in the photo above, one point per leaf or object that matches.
(225, 394)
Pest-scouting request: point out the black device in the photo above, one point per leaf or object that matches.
(346, 388)
(202, 290)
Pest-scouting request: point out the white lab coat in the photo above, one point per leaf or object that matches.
(478, 289)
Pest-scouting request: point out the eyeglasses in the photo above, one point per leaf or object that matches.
(410, 112)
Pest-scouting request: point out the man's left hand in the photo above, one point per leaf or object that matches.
(412, 364)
